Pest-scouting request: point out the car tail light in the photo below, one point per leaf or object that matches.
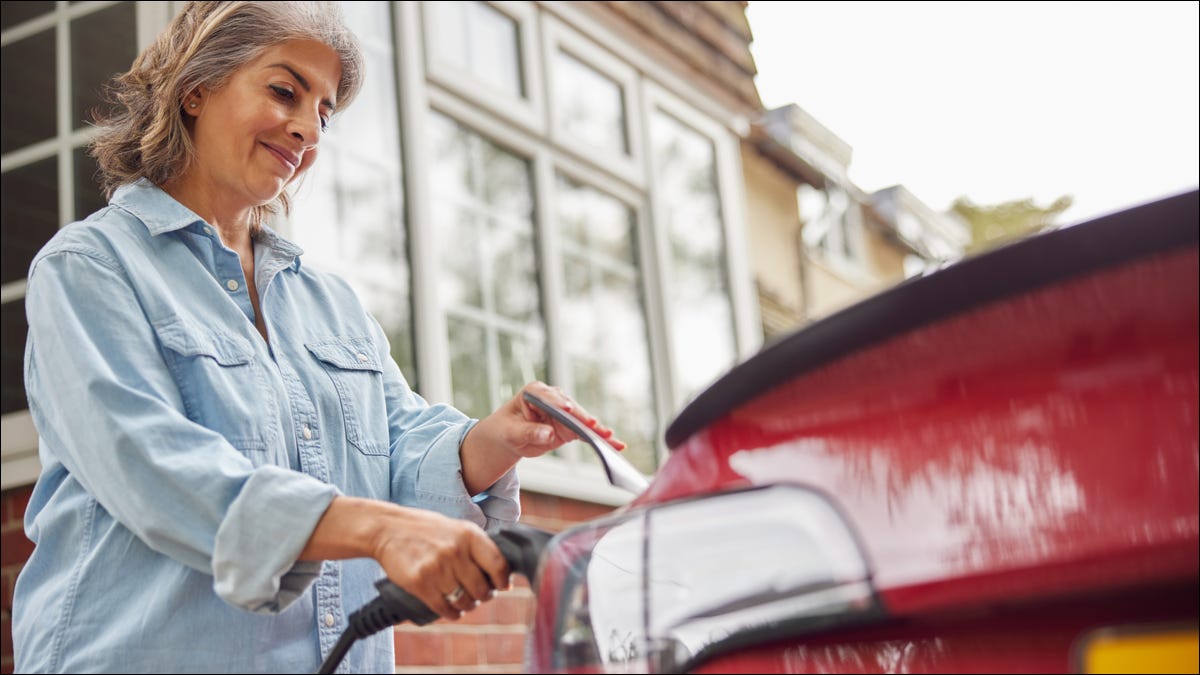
(659, 589)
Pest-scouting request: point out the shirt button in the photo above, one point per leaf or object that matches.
(329, 620)
(208, 231)
(232, 284)
(362, 358)
(307, 433)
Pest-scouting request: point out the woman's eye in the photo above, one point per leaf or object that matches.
(283, 92)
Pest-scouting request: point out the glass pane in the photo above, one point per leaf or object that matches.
(462, 262)
(604, 322)
(483, 222)
(515, 287)
(371, 124)
(493, 48)
(589, 105)
(103, 44)
(373, 241)
(521, 361)
(452, 176)
(88, 196)
(468, 367)
(448, 36)
(506, 184)
(479, 39)
(27, 101)
(13, 13)
(369, 20)
(30, 215)
(12, 339)
(701, 311)
(349, 212)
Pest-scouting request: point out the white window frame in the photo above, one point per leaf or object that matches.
(527, 112)
(557, 36)
(731, 196)
(19, 463)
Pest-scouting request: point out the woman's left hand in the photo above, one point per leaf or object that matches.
(520, 429)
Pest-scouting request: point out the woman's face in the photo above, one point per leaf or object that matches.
(261, 130)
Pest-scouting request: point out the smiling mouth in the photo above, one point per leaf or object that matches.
(284, 159)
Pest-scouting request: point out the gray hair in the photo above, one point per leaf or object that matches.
(144, 136)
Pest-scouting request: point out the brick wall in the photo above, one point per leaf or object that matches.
(490, 639)
(14, 551)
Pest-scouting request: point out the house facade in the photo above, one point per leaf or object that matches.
(588, 193)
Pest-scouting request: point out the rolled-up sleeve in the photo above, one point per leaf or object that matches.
(424, 447)
(109, 410)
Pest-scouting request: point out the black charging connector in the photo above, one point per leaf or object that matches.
(521, 546)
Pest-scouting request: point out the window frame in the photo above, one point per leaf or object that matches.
(526, 112)
(19, 463)
(557, 36)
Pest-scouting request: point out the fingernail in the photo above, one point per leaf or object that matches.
(543, 435)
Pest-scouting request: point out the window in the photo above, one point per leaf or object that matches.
(698, 290)
(603, 318)
(519, 193)
(594, 102)
(565, 251)
(488, 286)
(833, 229)
(55, 58)
(349, 215)
(485, 51)
(589, 106)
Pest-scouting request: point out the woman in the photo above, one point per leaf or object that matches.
(230, 456)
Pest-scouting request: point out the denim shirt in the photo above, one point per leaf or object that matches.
(186, 461)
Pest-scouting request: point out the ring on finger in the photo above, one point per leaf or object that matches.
(455, 595)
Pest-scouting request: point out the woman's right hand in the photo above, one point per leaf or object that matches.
(427, 554)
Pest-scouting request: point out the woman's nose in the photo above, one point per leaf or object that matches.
(305, 130)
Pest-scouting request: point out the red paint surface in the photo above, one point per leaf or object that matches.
(1045, 443)
(1017, 475)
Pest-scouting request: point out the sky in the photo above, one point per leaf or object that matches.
(995, 101)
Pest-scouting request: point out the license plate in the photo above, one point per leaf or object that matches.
(1161, 649)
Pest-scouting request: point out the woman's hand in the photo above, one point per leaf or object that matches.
(427, 554)
(520, 429)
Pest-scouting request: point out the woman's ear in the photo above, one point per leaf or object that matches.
(191, 103)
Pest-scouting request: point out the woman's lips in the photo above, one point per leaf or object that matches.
(287, 159)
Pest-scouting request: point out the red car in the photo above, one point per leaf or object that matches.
(991, 468)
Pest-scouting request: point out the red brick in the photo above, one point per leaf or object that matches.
(504, 648)
(480, 616)
(542, 506)
(9, 578)
(465, 649)
(15, 548)
(420, 647)
(15, 503)
(517, 610)
(577, 512)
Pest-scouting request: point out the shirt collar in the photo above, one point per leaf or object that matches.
(281, 247)
(161, 213)
(157, 210)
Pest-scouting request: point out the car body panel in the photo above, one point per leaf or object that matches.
(1013, 440)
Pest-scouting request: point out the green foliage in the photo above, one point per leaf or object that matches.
(999, 224)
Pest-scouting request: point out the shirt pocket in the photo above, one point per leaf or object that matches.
(222, 387)
(352, 364)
